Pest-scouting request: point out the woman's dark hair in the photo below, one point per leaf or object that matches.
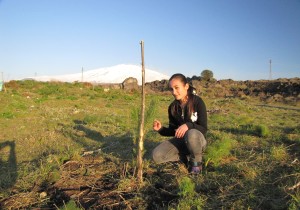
(190, 92)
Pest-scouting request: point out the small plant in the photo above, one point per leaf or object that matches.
(129, 97)
(295, 202)
(7, 115)
(150, 113)
(186, 187)
(90, 119)
(109, 105)
(189, 198)
(218, 150)
(72, 98)
(262, 130)
(188, 204)
(126, 184)
(71, 205)
(151, 110)
(49, 89)
(279, 153)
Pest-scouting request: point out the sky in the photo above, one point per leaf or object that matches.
(235, 39)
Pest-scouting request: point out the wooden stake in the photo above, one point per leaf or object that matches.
(141, 136)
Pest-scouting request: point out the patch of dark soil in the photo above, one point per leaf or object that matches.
(101, 182)
(91, 182)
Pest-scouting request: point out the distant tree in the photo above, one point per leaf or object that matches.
(207, 75)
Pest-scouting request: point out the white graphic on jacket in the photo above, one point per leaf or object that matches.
(194, 117)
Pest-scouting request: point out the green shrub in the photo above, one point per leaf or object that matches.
(218, 150)
(189, 198)
(262, 130)
(207, 75)
(188, 204)
(186, 187)
(49, 89)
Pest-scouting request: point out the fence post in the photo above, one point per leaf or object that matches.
(141, 136)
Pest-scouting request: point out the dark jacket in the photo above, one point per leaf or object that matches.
(180, 117)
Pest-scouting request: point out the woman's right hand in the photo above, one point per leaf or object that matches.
(156, 125)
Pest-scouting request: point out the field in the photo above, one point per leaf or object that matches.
(72, 146)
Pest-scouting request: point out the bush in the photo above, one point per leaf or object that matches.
(50, 89)
(207, 75)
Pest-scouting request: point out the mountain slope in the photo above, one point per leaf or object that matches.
(114, 74)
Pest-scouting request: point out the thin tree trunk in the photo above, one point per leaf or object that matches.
(141, 136)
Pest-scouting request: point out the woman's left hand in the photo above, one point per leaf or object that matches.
(181, 131)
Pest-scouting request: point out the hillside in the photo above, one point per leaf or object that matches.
(279, 90)
(72, 146)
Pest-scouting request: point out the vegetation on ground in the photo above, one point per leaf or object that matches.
(68, 146)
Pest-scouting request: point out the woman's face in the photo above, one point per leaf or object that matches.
(178, 89)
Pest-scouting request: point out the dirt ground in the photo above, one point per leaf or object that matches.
(94, 183)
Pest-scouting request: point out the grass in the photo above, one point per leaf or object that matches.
(251, 161)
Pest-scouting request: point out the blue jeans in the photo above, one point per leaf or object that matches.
(192, 144)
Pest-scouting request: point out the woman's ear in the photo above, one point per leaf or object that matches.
(187, 86)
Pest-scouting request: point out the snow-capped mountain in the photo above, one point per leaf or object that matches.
(114, 74)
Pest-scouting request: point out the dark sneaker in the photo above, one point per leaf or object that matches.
(195, 168)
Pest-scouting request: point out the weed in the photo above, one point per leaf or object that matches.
(126, 184)
(73, 98)
(50, 89)
(90, 119)
(219, 150)
(109, 105)
(186, 187)
(249, 172)
(7, 115)
(262, 130)
(295, 202)
(279, 153)
(196, 203)
(129, 97)
(189, 199)
(71, 205)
